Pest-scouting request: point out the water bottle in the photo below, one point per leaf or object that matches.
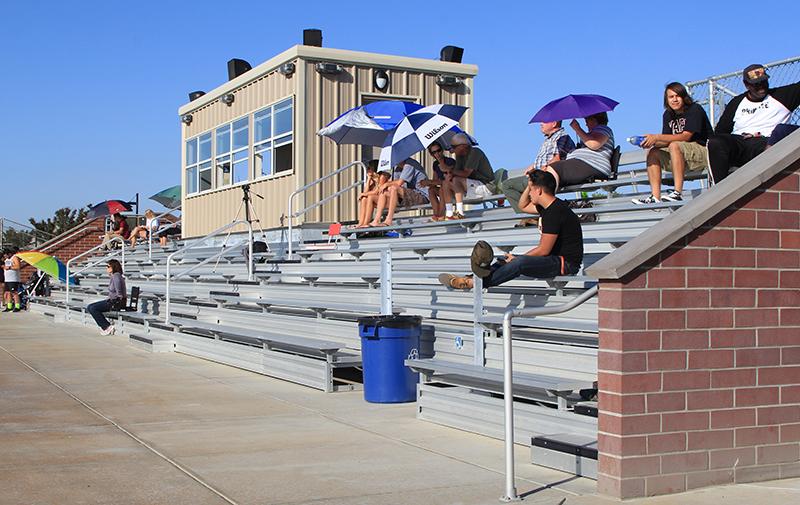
(636, 140)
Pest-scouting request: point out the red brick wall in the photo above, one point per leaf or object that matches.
(699, 361)
(89, 236)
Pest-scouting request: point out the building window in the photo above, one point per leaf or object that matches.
(232, 162)
(191, 166)
(204, 155)
(273, 138)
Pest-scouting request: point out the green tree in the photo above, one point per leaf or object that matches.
(19, 238)
(63, 220)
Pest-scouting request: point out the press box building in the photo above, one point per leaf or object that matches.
(261, 127)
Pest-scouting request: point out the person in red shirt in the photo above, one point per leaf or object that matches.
(120, 228)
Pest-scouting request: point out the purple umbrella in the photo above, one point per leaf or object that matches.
(573, 106)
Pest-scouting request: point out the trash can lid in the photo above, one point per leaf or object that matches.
(393, 321)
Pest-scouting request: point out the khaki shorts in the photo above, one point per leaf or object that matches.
(696, 157)
(412, 198)
(477, 190)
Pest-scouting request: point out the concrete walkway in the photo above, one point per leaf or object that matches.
(89, 419)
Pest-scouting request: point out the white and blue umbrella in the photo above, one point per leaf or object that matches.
(419, 130)
(368, 124)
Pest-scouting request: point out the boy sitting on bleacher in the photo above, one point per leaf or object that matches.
(560, 249)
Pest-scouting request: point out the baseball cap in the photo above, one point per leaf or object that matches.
(754, 74)
(482, 256)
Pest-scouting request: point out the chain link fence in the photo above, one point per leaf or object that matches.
(713, 93)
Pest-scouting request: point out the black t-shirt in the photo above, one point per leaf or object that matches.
(694, 119)
(559, 219)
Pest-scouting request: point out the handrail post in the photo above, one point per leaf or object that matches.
(250, 251)
(290, 216)
(711, 104)
(386, 282)
(166, 293)
(508, 410)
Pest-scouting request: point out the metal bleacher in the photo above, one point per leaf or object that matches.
(296, 317)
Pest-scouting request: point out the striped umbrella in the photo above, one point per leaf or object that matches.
(47, 264)
(108, 208)
(418, 130)
(368, 124)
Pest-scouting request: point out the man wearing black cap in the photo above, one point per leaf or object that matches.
(748, 121)
(560, 249)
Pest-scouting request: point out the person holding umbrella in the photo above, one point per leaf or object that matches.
(592, 158)
(115, 301)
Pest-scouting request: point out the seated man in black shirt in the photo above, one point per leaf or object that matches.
(560, 249)
(748, 120)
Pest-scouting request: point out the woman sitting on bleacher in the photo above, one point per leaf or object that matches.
(115, 301)
(151, 225)
(681, 146)
(592, 159)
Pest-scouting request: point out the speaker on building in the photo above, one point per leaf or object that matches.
(194, 95)
(312, 37)
(237, 67)
(452, 54)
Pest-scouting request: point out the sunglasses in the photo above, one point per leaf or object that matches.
(436, 151)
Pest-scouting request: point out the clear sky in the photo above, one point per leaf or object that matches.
(90, 90)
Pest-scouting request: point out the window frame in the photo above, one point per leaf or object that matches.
(273, 138)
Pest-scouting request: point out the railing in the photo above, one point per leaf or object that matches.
(91, 264)
(36, 231)
(508, 378)
(292, 215)
(223, 250)
(714, 92)
(75, 231)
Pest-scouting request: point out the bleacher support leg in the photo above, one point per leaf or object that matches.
(386, 282)
(508, 402)
(478, 330)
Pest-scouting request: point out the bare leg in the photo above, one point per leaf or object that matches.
(362, 210)
(394, 195)
(678, 165)
(447, 192)
(459, 186)
(381, 204)
(436, 203)
(654, 172)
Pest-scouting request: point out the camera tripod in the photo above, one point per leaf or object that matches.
(249, 213)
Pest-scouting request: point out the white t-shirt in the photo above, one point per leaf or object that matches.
(759, 117)
(152, 224)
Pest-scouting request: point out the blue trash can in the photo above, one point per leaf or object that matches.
(386, 342)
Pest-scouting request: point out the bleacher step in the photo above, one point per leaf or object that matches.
(568, 452)
(151, 343)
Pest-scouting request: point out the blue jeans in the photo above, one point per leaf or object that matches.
(540, 267)
(96, 309)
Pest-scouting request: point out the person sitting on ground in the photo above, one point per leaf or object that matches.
(560, 249)
(119, 228)
(12, 280)
(116, 298)
(404, 189)
(556, 146)
(151, 225)
(681, 146)
(746, 124)
(472, 176)
(368, 200)
(592, 159)
(441, 166)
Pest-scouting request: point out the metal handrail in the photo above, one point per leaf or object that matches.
(508, 395)
(201, 241)
(292, 215)
(79, 229)
(81, 255)
(4, 220)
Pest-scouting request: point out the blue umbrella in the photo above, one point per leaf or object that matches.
(418, 130)
(368, 124)
(573, 106)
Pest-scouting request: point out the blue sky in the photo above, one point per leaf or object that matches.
(90, 90)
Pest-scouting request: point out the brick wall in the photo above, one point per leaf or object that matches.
(89, 236)
(699, 361)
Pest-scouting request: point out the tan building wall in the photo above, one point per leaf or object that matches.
(319, 98)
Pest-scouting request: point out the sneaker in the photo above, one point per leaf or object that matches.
(7, 309)
(108, 331)
(673, 196)
(456, 216)
(16, 309)
(455, 282)
(646, 201)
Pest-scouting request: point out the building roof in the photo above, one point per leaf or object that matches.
(698, 211)
(334, 56)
